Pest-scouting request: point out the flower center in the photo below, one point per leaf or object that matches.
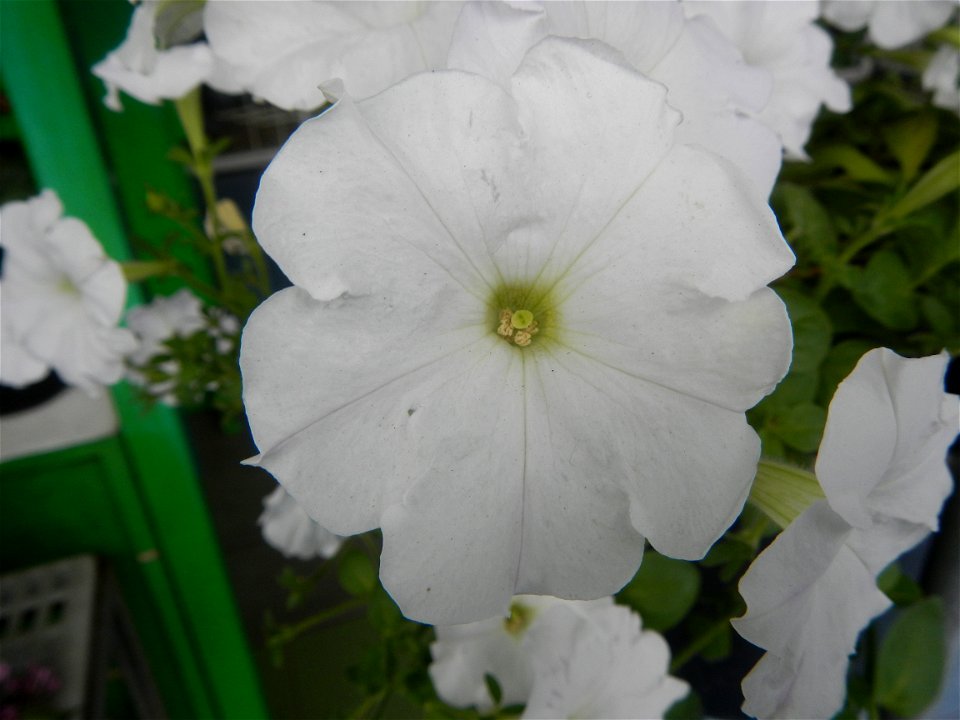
(524, 315)
(517, 326)
(519, 619)
(67, 286)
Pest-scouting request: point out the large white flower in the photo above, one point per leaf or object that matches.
(891, 23)
(179, 315)
(62, 299)
(287, 527)
(782, 38)
(523, 333)
(942, 76)
(146, 72)
(283, 51)
(705, 76)
(561, 658)
(882, 467)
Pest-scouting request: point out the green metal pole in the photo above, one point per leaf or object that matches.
(42, 84)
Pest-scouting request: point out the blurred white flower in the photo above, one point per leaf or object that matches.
(707, 80)
(62, 299)
(179, 315)
(891, 23)
(287, 527)
(599, 665)
(942, 76)
(506, 366)
(782, 37)
(283, 51)
(464, 654)
(148, 73)
(563, 659)
(225, 329)
(809, 594)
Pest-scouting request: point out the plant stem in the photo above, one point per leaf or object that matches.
(698, 644)
(190, 113)
(286, 633)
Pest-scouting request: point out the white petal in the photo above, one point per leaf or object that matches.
(288, 528)
(491, 38)
(942, 75)
(884, 446)
(338, 415)
(313, 209)
(598, 664)
(148, 74)
(650, 295)
(643, 32)
(589, 157)
(848, 15)
(62, 295)
(282, 51)
(637, 441)
(718, 94)
(808, 597)
(18, 368)
(896, 23)
(783, 39)
(451, 549)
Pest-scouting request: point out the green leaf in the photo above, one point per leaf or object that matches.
(356, 573)
(884, 290)
(797, 387)
(941, 319)
(771, 444)
(910, 141)
(383, 613)
(811, 331)
(840, 361)
(493, 687)
(689, 708)
(900, 588)
(662, 591)
(811, 231)
(853, 162)
(942, 178)
(910, 664)
(802, 426)
(730, 555)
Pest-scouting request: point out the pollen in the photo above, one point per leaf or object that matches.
(517, 326)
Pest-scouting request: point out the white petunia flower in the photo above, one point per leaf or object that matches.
(782, 38)
(287, 527)
(146, 72)
(179, 315)
(283, 51)
(882, 467)
(62, 299)
(599, 665)
(523, 334)
(464, 654)
(891, 23)
(561, 658)
(942, 76)
(705, 77)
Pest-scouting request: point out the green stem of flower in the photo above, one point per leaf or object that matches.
(190, 112)
(698, 644)
(139, 270)
(782, 492)
(949, 34)
(287, 633)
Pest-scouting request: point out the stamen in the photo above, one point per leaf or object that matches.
(519, 326)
